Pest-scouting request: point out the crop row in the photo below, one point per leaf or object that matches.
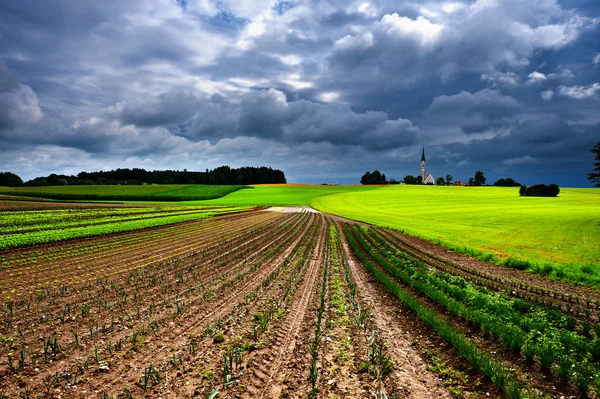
(247, 288)
(113, 261)
(78, 213)
(48, 236)
(201, 248)
(154, 321)
(579, 305)
(33, 255)
(541, 334)
(145, 246)
(493, 369)
(61, 223)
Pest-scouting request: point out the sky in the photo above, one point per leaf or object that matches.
(324, 90)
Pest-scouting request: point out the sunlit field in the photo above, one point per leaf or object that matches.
(493, 220)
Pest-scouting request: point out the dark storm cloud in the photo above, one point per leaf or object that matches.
(475, 113)
(169, 108)
(304, 86)
(18, 102)
(267, 114)
(536, 149)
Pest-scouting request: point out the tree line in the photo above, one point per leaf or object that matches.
(223, 175)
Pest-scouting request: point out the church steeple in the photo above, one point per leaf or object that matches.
(423, 166)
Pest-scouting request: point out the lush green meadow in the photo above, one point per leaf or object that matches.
(282, 195)
(488, 221)
(154, 192)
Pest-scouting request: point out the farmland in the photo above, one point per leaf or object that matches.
(29, 224)
(228, 298)
(282, 302)
(558, 237)
(154, 192)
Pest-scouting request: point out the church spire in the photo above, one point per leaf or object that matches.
(423, 156)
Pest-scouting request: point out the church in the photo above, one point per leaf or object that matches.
(426, 178)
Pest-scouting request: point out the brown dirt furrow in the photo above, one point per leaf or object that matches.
(410, 372)
(194, 323)
(239, 326)
(273, 367)
(152, 340)
(207, 255)
(134, 256)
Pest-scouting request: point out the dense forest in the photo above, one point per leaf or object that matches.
(221, 175)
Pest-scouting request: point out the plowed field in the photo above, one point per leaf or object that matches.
(286, 303)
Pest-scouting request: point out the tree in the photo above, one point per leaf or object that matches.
(410, 179)
(419, 179)
(449, 180)
(366, 178)
(439, 181)
(553, 190)
(523, 190)
(373, 178)
(594, 177)
(479, 179)
(508, 182)
(9, 179)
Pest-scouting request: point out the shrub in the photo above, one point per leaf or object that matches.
(553, 190)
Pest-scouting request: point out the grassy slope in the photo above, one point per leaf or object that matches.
(155, 192)
(493, 220)
(281, 195)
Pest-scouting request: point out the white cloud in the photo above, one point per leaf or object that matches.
(535, 77)
(579, 92)
(367, 9)
(329, 96)
(257, 27)
(249, 9)
(428, 13)
(452, 7)
(204, 7)
(596, 60)
(547, 95)
(349, 42)
(496, 78)
(421, 29)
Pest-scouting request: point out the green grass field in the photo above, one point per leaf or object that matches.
(284, 195)
(488, 221)
(155, 192)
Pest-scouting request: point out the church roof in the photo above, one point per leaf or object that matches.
(423, 156)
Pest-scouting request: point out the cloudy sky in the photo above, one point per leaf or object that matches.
(322, 89)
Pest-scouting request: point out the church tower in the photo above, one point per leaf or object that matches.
(423, 165)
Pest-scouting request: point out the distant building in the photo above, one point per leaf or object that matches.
(427, 178)
(460, 183)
